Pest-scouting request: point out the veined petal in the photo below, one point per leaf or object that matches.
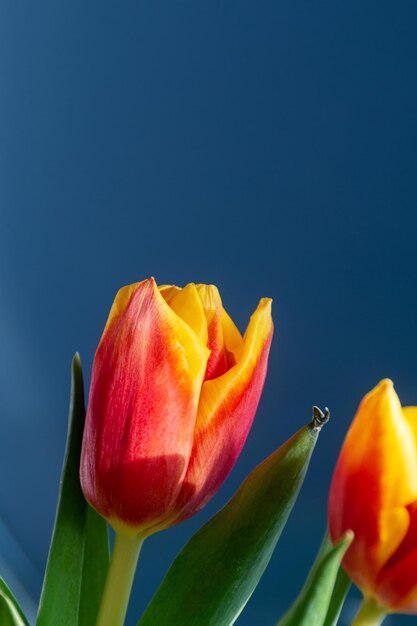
(146, 381)
(225, 414)
(120, 303)
(374, 482)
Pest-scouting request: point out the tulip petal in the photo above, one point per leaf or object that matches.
(119, 305)
(410, 414)
(219, 361)
(187, 305)
(147, 375)
(398, 589)
(225, 414)
(232, 338)
(168, 291)
(397, 581)
(374, 481)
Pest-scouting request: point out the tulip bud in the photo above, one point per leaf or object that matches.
(374, 493)
(173, 394)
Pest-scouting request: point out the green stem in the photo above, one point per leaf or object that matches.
(119, 580)
(370, 614)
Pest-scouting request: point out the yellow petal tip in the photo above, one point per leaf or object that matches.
(385, 384)
(265, 303)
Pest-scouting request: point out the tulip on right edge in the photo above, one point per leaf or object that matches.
(374, 493)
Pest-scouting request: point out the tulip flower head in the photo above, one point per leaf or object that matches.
(374, 493)
(173, 394)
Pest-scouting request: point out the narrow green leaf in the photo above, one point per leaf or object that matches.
(312, 605)
(72, 586)
(95, 566)
(340, 591)
(215, 574)
(10, 612)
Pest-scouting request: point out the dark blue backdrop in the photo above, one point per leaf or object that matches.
(267, 147)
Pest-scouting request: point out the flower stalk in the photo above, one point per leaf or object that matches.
(370, 614)
(119, 580)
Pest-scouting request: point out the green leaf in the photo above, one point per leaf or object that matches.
(215, 574)
(95, 566)
(340, 591)
(10, 612)
(312, 605)
(79, 552)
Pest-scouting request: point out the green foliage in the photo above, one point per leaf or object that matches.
(321, 599)
(215, 574)
(10, 612)
(340, 591)
(79, 552)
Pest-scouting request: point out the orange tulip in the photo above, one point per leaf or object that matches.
(173, 394)
(374, 493)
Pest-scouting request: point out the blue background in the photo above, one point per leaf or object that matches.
(267, 147)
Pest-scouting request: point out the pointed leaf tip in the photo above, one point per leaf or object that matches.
(76, 368)
(320, 418)
(78, 556)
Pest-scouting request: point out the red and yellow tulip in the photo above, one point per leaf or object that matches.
(374, 493)
(173, 394)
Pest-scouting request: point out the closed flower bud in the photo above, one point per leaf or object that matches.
(173, 394)
(374, 493)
